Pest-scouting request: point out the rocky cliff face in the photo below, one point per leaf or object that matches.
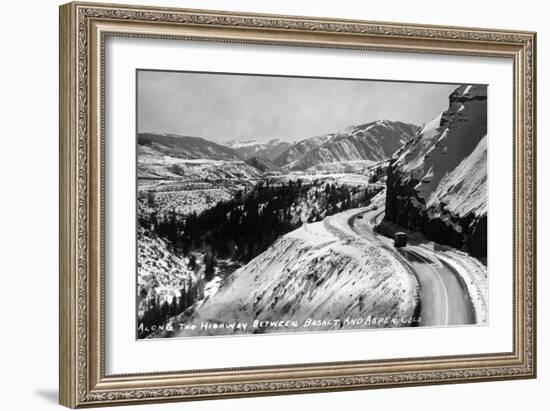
(437, 182)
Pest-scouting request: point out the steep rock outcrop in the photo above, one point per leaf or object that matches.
(437, 182)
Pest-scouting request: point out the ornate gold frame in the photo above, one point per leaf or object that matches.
(83, 30)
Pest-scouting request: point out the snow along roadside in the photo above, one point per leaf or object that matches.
(403, 277)
(474, 275)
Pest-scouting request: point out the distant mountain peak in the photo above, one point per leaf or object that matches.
(268, 150)
(374, 141)
(236, 144)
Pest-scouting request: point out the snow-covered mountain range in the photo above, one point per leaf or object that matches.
(437, 183)
(375, 142)
(372, 142)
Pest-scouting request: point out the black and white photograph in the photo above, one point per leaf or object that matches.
(279, 204)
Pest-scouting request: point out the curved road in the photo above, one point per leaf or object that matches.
(443, 300)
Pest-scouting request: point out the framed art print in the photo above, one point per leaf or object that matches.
(259, 204)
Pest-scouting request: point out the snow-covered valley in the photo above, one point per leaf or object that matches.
(167, 182)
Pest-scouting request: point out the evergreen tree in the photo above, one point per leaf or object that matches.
(155, 312)
(183, 299)
(164, 310)
(191, 295)
(209, 267)
(174, 306)
(173, 227)
(192, 262)
(151, 199)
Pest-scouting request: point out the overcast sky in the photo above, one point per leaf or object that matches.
(223, 107)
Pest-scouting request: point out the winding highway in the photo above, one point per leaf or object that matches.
(443, 299)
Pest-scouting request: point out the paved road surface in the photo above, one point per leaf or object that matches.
(443, 300)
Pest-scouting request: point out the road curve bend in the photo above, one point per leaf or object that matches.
(443, 299)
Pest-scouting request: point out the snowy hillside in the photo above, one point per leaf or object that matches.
(374, 142)
(300, 148)
(352, 166)
(319, 271)
(186, 147)
(463, 191)
(266, 150)
(188, 185)
(161, 274)
(153, 164)
(260, 163)
(437, 181)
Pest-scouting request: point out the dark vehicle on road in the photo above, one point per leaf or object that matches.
(400, 239)
(359, 216)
